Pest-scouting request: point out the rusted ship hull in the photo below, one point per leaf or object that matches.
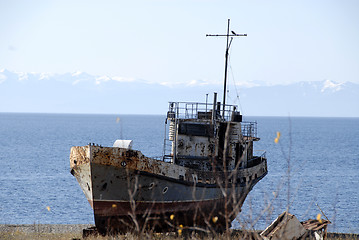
(129, 191)
(159, 216)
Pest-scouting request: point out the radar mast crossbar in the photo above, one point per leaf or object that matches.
(228, 45)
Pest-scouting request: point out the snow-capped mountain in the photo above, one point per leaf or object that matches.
(320, 98)
(80, 92)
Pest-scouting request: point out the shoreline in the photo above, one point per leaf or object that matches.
(44, 228)
(74, 231)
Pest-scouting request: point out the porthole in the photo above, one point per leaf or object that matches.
(165, 190)
(123, 164)
(152, 184)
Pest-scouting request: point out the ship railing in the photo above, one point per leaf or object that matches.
(262, 154)
(195, 110)
(164, 158)
(257, 160)
(249, 129)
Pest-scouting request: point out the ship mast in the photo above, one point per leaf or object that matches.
(228, 45)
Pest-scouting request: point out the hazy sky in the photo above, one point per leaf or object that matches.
(164, 40)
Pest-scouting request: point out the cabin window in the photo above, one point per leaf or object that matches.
(204, 115)
(195, 129)
(165, 190)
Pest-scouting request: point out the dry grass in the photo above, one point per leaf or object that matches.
(233, 234)
(37, 236)
(42, 231)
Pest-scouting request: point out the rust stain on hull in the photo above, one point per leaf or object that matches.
(121, 217)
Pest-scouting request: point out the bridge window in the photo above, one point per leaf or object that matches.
(195, 129)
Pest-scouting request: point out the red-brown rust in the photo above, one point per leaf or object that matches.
(78, 156)
(115, 208)
(132, 159)
(111, 216)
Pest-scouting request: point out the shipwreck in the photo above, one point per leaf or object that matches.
(206, 172)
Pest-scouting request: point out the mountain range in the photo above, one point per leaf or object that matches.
(80, 92)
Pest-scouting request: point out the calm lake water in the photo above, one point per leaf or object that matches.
(323, 155)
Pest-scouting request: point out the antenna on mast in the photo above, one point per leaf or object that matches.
(228, 45)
